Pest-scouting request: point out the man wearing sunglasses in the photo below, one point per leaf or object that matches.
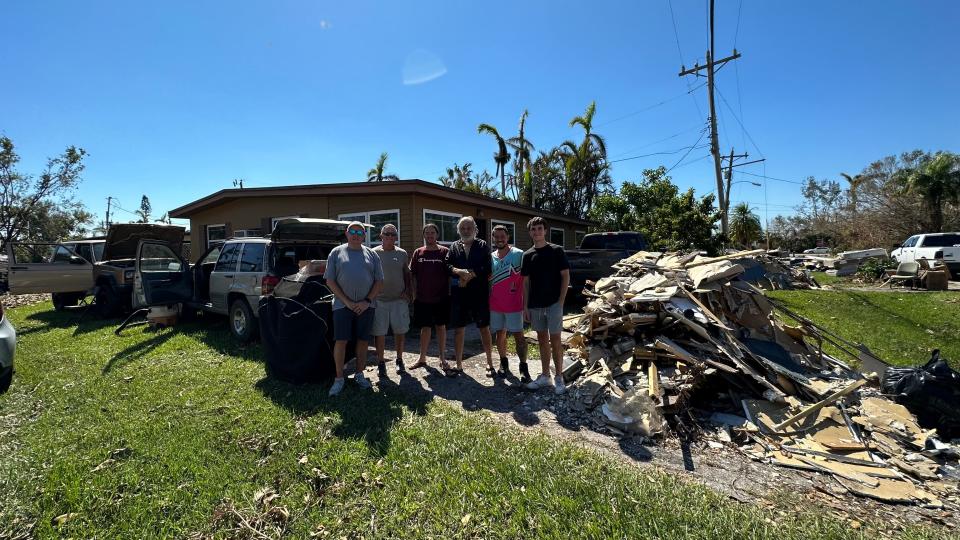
(393, 304)
(355, 276)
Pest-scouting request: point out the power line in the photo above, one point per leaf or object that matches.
(658, 153)
(654, 106)
(702, 133)
(674, 136)
(738, 121)
(676, 36)
(772, 178)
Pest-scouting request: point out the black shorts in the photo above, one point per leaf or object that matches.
(430, 314)
(469, 307)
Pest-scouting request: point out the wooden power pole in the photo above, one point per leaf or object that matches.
(710, 68)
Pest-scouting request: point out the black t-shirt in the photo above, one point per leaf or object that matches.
(543, 267)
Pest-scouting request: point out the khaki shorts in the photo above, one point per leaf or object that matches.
(391, 314)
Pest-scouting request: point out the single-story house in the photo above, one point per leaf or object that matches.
(408, 204)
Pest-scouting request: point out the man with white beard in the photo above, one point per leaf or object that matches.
(468, 262)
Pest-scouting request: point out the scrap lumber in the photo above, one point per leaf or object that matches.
(819, 405)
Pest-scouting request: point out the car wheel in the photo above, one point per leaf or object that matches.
(5, 380)
(108, 305)
(242, 323)
(64, 300)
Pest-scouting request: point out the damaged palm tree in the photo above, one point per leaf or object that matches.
(691, 343)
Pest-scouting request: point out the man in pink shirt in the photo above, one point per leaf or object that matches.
(506, 301)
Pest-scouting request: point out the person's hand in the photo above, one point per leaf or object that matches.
(526, 315)
(352, 306)
(408, 296)
(361, 306)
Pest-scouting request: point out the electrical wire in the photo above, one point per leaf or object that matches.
(674, 136)
(676, 36)
(750, 137)
(654, 106)
(702, 133)
(772, 178)
(659, 153)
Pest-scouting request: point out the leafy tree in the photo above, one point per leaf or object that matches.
(501, 157)
(462, 178)
(165, 218)
(937, 182)
(855, 182)
(668, 218)
(586, 169)
(376, 174)
(745, 228)
(42, 208)
(144, 210)
(522, 148)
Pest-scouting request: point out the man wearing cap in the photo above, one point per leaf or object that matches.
(354, 275)
(393, 304)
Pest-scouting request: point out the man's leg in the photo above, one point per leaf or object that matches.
(442, 342)
(458, 334)
(398, 341)
(424, 345)
(543, 340)
(380, 343)
(557, 346)
(520, 341)
(339, 352)
(361, 355)
(502, 343)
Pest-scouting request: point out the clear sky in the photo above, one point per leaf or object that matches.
(175, 99)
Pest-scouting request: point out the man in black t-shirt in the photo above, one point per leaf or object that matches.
(546, 277)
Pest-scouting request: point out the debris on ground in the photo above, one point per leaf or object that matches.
(688, 344)
(17, 300)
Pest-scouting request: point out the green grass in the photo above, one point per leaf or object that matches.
(196, 432)
(824, 278)
(900, 328)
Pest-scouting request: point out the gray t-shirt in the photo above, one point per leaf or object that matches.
(354, 270)
(394, 262)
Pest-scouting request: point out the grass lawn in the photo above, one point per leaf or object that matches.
(178, 433)
(824, 278)
(901, 328)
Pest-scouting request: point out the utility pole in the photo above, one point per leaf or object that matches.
(107, 223)
(710, 67)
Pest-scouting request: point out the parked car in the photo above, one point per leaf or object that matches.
(8, 345)
(56, 268)
(598, 252)
(230, 278)
(943, 247)
(823, 250)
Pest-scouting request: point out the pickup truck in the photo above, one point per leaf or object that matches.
(943, 247)
(598, 252)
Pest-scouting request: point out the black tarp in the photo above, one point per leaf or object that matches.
(296, 329)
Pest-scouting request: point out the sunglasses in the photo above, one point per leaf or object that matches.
(388, 234)
(357, 232)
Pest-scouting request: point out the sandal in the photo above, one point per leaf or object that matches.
(447, 370)
(419, 364)
(491, 372)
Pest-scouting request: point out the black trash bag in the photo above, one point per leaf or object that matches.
(296, 331)
(931, 392)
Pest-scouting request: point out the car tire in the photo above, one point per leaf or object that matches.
(62, 301)
(242, 323)
(5, 380)
(107, 304)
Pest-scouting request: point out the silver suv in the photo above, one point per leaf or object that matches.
(230, 278)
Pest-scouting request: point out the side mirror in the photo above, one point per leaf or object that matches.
(77, 260)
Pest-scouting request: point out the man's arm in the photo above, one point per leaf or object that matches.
(338, 292)
(452, 259)
(407, 284)
(564, 285)
(375, 290)
(526, 296)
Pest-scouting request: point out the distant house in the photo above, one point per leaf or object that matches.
(408, 204)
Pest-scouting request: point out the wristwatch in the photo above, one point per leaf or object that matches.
(367, 300)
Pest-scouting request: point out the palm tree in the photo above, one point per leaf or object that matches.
(937, 182)
(745, 226)
(855, 183)
(501, 157)
(376, 173)
(586, 164)
(458, 177)
(522, 149)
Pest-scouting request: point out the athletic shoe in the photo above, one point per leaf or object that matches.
(400, 367)
(504, 370)
(542, 382)
(362, 381)
(558, 386)
(337, 387)
(382, 369)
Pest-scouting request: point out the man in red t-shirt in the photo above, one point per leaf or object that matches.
(431, 294)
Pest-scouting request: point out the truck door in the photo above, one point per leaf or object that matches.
(46, 268)
(162, 276)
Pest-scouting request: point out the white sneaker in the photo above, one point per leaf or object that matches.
(540, 382)
(337, 387)
(362, 381)
(558, 387)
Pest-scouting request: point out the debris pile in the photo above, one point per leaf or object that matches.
(684, 342)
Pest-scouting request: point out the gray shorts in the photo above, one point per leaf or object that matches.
(511, 322)
(347, 325)
(548, 319)
(393, 314)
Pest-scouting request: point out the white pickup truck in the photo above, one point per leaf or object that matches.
(944, 247)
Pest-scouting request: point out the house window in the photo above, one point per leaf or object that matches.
(377, 218)
(247, 233)
(273, 221)
(556, 236)
(216, 234)
(446, 222)
(511, 230)
(578, 237)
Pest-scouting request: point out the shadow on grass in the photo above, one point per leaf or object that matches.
(78, 318)
(138, 350)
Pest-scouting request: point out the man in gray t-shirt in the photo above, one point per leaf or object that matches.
(393, 304)
(355, 276)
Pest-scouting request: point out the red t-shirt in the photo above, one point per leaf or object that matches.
(430, 271)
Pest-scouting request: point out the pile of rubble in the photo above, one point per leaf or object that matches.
(682, 342)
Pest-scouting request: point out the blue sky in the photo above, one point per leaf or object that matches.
(174, 100)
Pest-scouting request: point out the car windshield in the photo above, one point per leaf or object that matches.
(942, 240)
(98, 251)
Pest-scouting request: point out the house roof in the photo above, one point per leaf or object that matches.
(364, 188)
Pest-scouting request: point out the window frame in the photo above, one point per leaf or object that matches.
(578, 237)
(563, 232)
(243, 252)
(494, 222)
(236, 263)
(206, 233)
(439, 213)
